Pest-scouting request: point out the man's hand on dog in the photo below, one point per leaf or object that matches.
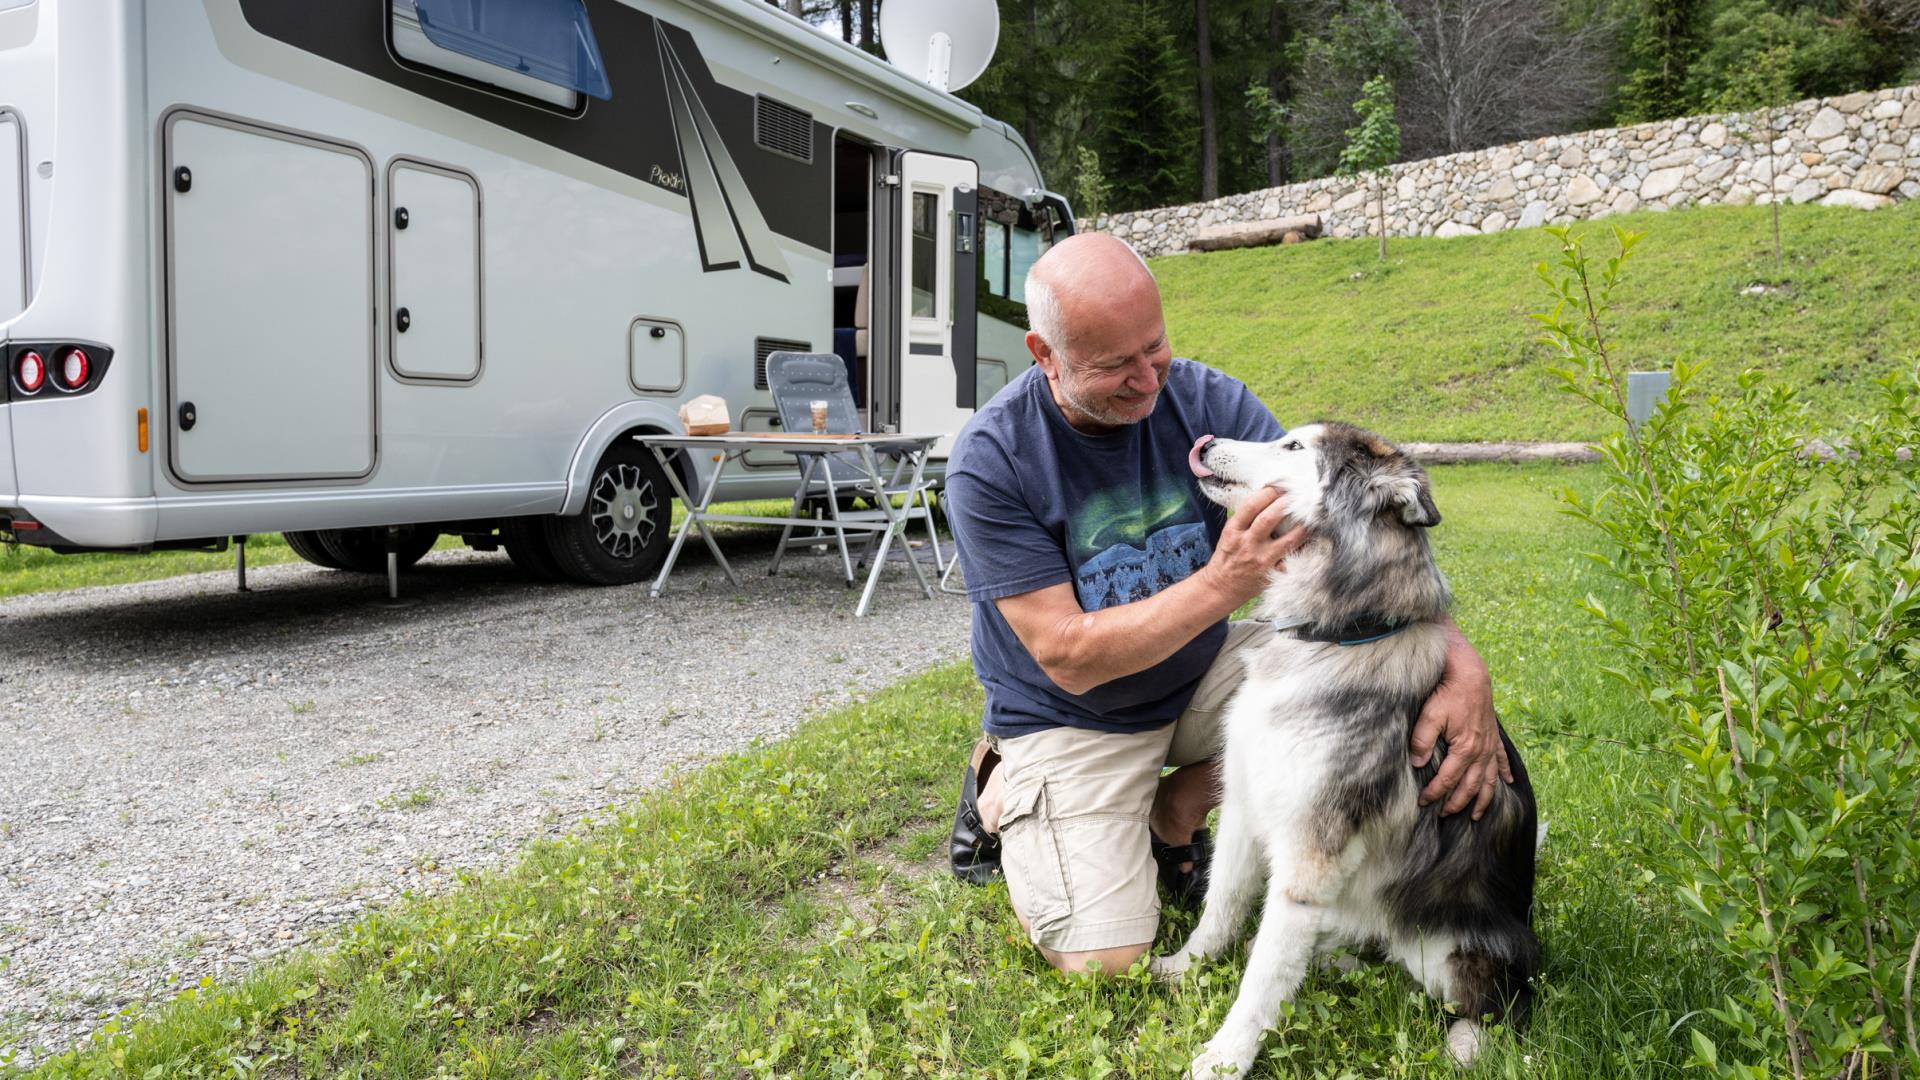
(1251, 546)
(1461, 712)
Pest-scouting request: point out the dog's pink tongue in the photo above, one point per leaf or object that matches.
(1193, 457)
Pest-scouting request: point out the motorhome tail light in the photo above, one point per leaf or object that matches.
(30, 371)
(74, 369)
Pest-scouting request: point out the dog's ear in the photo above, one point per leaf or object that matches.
(1422, 512)
(1407, 489)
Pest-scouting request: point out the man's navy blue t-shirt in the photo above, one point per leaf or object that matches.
(1034, 502)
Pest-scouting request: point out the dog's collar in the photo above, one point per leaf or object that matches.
(1361, 631)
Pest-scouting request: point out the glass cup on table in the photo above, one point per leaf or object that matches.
(819, 416)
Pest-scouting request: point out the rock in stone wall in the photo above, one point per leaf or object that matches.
(1861, 150)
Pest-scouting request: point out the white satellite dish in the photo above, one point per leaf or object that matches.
(948, 43)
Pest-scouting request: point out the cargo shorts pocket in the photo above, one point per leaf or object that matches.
(1030, 857)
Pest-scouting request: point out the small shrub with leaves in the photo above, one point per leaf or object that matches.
(1773, 624)
(1373, 145)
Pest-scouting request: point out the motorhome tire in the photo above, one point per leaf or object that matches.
(364, 551)
(620, 538)
(525, 539)
(307, 545)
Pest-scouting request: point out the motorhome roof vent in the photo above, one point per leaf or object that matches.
(767, 346)
(783, 129)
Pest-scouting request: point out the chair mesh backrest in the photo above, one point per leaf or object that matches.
(797, 380)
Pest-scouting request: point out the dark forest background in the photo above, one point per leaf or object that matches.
(1137, 103)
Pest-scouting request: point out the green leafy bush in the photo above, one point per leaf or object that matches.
(1773, 624)
(1373, 145)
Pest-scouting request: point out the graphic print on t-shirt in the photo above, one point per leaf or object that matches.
(1128, 544)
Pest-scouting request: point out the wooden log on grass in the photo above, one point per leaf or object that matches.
(1466, 453)
(1243, 234)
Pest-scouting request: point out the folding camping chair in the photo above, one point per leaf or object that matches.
(796, 381)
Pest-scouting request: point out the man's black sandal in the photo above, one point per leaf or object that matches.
(973, 854)
(1185, 888)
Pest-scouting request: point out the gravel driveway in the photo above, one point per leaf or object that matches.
(192, 778)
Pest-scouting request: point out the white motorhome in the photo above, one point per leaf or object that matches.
(367, 272)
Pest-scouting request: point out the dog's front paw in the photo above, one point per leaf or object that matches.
(1170, 968)
(1218, 1063)
(1464, 1041)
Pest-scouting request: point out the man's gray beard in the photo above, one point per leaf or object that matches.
(1096, 412)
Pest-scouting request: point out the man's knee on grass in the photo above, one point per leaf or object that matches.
(1113, 961)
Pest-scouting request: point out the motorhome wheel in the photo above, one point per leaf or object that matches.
(525, 539)
(621, 536)
(307, 545)
(364, 551)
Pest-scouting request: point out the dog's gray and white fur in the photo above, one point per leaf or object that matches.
(1319, 798)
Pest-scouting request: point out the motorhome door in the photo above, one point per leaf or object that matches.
(270, 303)
(939, 203)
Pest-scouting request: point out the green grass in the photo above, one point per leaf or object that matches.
(784, 912)
(1435, 344)
(26, 569)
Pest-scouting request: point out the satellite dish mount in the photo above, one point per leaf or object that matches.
(946, 43)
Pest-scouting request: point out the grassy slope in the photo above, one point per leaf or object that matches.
(1436, 344)
(784, 913)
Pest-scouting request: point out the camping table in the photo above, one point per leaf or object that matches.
(887, 520)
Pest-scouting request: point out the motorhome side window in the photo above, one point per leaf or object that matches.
(1012, 237)
(542, 51)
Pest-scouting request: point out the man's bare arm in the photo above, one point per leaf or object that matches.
(1460, 711)
(1080, 650)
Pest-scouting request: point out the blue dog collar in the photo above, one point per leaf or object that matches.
(1362, 631)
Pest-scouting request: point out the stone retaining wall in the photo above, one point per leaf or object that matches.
(1860, 150)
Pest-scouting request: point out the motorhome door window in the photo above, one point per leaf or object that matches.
(542, 49)
(926, 235)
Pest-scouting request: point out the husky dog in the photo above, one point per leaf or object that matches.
(1319, 798)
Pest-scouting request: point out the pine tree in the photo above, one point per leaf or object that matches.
(1273, 135)
(1145, 144)
(1664, 43)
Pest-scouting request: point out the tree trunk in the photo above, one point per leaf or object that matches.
(1029, 110)
(1380, 187)
(794, 9)
(867, 16)
(846, 21)
(1209, 136)
(1279, 154)
(1773, 197)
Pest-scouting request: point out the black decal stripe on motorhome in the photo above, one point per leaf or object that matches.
(713, 229)
(702, 148)
(631, 133)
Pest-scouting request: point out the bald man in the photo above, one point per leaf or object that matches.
(1102, 584)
